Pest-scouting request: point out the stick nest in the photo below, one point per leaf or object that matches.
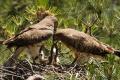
(24, 69)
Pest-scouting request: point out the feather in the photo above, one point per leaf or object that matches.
(30, 37)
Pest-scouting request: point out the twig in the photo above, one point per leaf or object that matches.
(25, 67)
(8, 71)
(13, 75)
(31, 67)
(88, 26)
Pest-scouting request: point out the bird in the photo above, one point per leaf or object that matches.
(83, 45)
(31, 37)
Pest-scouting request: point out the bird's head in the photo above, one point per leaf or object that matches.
(42, 13)
(47, 16)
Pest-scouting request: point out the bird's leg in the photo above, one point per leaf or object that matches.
(11, 61)
(53, 59)
(74, 61)
(55, 51)
(50, 58)
(76, 56)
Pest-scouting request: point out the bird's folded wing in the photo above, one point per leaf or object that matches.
(29, 37)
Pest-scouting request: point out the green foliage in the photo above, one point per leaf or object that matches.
(106, 70)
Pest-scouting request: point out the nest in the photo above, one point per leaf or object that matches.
(24, 69)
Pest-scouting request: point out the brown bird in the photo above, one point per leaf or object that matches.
(84, 45)
(31, 37)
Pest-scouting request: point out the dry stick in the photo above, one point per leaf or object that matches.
(94, 21)
(72, 68)
(82, 73)
(92, 25)
(13, 75)
(57, 73)
(24, 67)
(89, 26)
(31, 67)
(8, 72)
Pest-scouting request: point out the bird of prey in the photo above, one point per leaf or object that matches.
(83, 45)
(31, 36)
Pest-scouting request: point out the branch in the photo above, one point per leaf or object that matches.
(94, 21)
(88, 27)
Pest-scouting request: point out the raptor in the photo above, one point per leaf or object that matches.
(83, 45)
(31, 36)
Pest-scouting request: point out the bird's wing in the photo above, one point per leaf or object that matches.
(45, 23)
(34, 26)
(75, 36)
(29, 37)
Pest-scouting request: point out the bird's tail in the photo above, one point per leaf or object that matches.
(117, 52)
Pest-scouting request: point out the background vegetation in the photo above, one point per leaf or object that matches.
(99, 18)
